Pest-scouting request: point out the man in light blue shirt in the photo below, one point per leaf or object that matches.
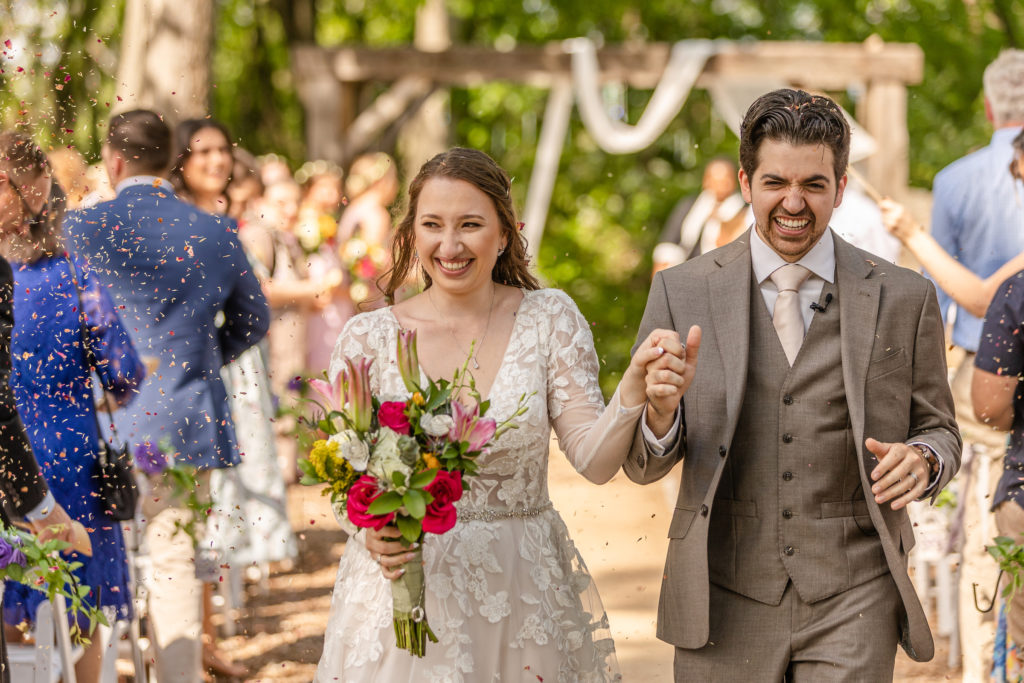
(978, 218)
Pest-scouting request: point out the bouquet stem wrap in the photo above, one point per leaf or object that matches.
(408, 596)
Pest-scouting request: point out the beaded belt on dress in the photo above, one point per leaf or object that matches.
(490, 514)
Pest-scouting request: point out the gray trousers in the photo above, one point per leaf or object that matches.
(848, 637)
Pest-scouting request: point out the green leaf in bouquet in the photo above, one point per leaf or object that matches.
(415, 503)
(15, 571)
(398, 478)
(306, 467)
(424, 478)
(485, 406)
(411, 528)
(385, 503)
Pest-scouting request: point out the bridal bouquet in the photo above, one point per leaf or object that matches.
(404, 463)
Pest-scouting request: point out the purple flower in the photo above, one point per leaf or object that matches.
(10, 555)
(295, 384)
(149, 458)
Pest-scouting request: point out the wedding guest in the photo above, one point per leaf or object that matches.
(706, 221)
(507, 593)
(293, 296)
(177, 271)
(58, 301)
(969, 291)
(249, 524)
(364, 232)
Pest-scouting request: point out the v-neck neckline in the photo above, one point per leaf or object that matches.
(504, 356)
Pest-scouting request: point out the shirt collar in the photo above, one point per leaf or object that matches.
(820, 260)
(151, 180)
(1005, 135)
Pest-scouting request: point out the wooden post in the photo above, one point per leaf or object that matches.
(884, 115)
(321, 95)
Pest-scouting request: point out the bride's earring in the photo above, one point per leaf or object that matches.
(501, 251)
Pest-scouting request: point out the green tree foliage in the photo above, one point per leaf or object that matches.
(606, 210)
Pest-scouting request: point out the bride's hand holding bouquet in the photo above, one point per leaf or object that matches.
(397, 468)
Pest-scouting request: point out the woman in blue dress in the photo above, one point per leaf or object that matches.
(54, 389)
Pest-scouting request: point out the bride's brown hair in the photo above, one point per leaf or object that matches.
(481, 171)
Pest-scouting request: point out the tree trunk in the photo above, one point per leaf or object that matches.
(165, 57)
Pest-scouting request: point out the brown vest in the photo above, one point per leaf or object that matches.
(790, 505)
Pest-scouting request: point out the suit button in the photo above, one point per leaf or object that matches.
(787, 399)
(641, 460)
(722, 451)
(787, 514)
(789, 550)
(703, 510)
(787, 438)
(787, 476)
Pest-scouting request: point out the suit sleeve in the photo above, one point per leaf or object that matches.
(21, 483)
(932, 417)
(246, 314)
(642, 465)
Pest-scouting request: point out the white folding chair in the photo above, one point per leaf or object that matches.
(52, 658)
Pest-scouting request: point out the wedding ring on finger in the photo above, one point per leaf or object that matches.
(916, 480)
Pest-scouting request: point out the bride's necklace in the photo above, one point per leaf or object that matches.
(451, 330)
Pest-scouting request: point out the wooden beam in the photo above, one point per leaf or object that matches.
(825, 66)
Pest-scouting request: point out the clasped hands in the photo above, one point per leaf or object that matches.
(660, 372)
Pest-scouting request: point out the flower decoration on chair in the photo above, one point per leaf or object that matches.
(404, 463)
(40, 566)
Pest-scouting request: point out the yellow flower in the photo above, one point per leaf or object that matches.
(321, 457)
(418, 399)
(431, 461)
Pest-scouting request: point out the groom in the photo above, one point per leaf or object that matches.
(819, 408)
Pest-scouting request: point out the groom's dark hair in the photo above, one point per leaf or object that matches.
(798, 118)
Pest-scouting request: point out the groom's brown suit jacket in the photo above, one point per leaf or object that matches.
(894, 377)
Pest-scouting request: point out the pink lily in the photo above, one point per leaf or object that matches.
(357, 393)
(470, 427)
(333, 392)
(408, 360)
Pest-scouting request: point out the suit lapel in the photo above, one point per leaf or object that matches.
(858, 317)
(729, 294)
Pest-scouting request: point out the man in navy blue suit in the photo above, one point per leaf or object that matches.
(191, 301)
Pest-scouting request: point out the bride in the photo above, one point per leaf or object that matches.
(507, 593)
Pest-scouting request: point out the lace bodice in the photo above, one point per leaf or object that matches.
(550, 357)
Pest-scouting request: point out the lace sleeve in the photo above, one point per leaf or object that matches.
(594, 440)
(119, 367)
(363, 336)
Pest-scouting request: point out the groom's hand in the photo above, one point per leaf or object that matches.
(669, 376)
(901, 475)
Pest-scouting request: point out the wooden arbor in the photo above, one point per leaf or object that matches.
(329, 79)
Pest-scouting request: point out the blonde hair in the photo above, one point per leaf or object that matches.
(367, 170)
(1004, 87)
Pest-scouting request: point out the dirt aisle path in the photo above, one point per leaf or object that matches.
(619, 529)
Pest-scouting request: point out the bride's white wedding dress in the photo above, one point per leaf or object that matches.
(507, 593)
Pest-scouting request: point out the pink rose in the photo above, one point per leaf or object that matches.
(392, 414)
(362, 493)
(446, 489)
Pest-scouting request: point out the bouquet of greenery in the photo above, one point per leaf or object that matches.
(40, 566)
(401, 462)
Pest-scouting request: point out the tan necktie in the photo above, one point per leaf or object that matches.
(788, 319)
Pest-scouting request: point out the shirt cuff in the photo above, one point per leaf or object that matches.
(42, 510)
(658, 446)
(936, 477)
